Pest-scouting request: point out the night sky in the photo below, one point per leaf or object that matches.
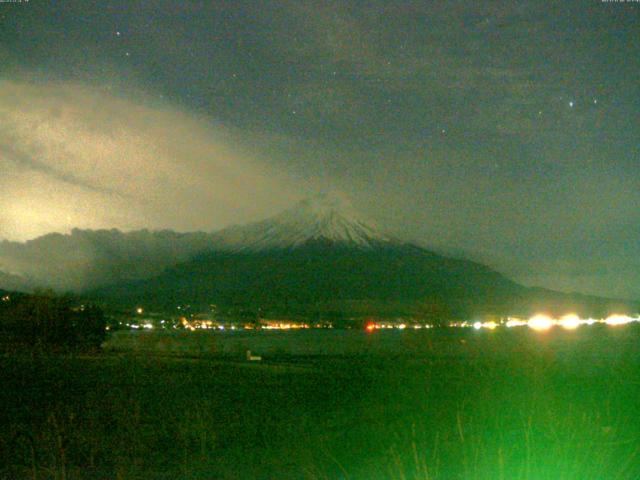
(508, 132)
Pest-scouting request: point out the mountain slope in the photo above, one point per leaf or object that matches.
(329, 280)
(321, 259)
(320, 276)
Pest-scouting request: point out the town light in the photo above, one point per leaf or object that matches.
(540, 322)
(515, 322)
(570, 322)
(619, 320)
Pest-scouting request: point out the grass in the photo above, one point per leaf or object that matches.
(516, 406)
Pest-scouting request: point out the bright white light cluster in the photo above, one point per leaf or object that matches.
(515, 322)
(542, 322)
(620, 320)
(488, 325)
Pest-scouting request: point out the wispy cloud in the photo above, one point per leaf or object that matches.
(31, 161)
(78, 156)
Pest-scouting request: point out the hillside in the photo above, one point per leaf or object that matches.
(321, 259)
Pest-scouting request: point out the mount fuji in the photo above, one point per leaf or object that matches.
(321, 259)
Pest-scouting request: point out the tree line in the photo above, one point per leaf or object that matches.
(44, 320)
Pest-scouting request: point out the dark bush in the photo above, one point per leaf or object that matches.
(45, 320)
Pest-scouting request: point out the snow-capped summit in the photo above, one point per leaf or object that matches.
(326, 217)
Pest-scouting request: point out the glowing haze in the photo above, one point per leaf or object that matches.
(78, 156)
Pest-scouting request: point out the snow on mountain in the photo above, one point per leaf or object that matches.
(324, 217)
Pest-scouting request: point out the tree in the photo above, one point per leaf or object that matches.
(45, 320)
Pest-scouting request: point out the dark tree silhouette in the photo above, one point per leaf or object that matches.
(45, 320)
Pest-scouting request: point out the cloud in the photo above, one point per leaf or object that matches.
(91, 258)
(31, 162)
(81, 156)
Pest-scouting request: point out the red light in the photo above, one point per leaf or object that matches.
(370, 327)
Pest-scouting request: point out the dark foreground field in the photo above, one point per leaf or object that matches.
(506, 405)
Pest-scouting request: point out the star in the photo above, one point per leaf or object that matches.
(595, 101)
(118, 33)
(571, 104)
